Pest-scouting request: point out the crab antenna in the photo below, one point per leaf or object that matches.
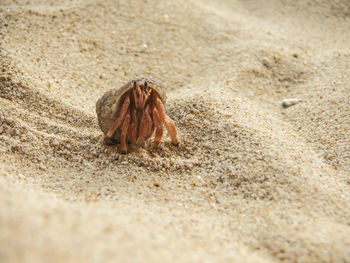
(138, 89)
(146, 98)
(141, 95)
(135, 95)
(138, 101)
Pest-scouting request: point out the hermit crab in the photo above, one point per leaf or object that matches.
(132, 112)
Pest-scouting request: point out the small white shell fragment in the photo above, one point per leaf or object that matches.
(200, 178)
(289, 102)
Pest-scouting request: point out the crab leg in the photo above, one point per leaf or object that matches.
(124, 132)
(119, 120)
(169, 124)
(135, 99)
(159, 128)
(145, 125)
(133, 126)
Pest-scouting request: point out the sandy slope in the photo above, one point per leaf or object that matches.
(250, 181)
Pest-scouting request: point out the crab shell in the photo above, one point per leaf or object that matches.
(108, 106)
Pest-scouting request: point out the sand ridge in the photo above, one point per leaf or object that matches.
(249, 182)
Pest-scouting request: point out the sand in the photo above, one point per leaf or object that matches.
(251, 181)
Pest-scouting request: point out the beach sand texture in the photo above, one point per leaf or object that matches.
(251, 181)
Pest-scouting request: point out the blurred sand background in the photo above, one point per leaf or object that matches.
(250, 182)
